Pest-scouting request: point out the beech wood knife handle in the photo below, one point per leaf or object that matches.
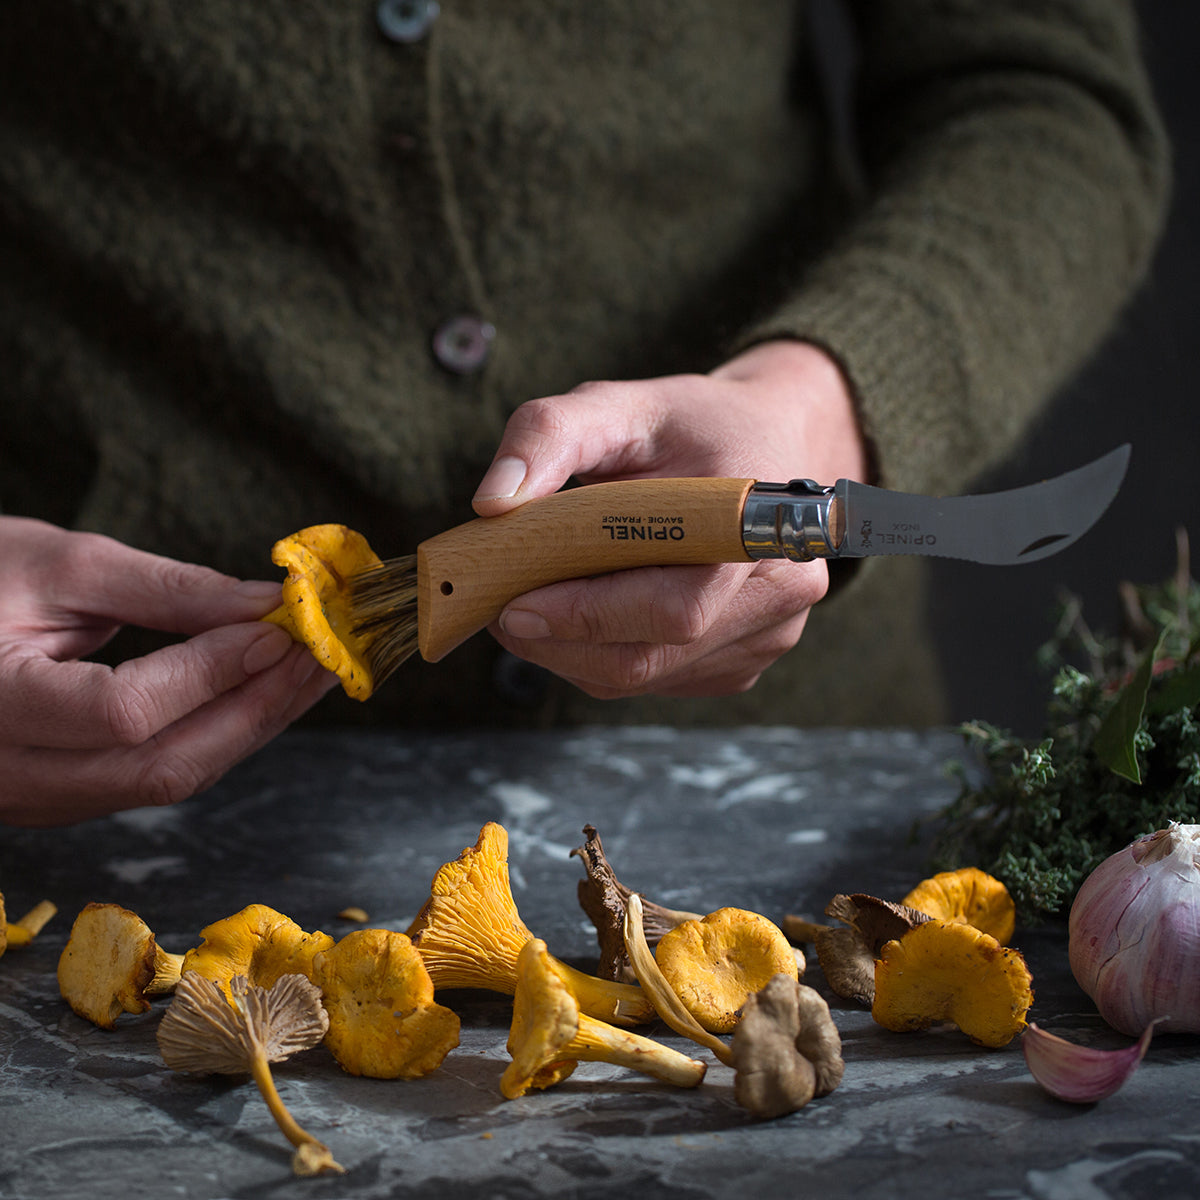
(466, 575)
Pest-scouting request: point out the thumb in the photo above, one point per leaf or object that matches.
(597, 429)
(104, 578)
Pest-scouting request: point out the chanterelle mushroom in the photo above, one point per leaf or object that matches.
(604, 897)
(317, 608)
(383, 1021)
(21, 932)
(257, 942)
(967, 896)
(111, 963)
(786, 1049)
(206, 1032)
(713, 964)
(469, 934)
(550, 1034)
(948, 971)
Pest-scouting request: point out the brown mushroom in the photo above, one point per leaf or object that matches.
(209, 1032)
(847, 952)
(786, 1049)
(469, 934)
(383, 1021)
(603, 898)
(112, 963)
(550, 1034)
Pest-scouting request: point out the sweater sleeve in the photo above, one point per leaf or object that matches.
(1016, 179)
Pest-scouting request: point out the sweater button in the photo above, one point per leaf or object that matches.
(406, 20)
(461, 344)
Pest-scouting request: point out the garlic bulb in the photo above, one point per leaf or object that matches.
(1135, 933)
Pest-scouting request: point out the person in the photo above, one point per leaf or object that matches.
(271, 265)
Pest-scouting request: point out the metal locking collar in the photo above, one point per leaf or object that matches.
(789, 520)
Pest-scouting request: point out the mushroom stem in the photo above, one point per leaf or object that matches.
(665, 999)
(22, 932)
(167, 969)
(550, 1034)
(597, 1042)
(312, 1157)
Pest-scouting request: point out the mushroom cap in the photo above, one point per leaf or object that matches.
(545, 1020)
(603, 897)
(469, 932)
(257, 942)
(772, 1077)
(107, 964)
(208, 1032)
(951, 971)
(847, 952)
(967, 895)
(317, 608)
(713, 964)
(383, 1021)
(786, 1049)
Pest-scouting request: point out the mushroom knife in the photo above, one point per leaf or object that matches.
(466, 575)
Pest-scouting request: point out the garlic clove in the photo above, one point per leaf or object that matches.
(1080, 1074)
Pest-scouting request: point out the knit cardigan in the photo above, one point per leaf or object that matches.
(228, 232)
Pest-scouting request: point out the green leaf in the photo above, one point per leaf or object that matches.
(1181, 690)
(1115, 743)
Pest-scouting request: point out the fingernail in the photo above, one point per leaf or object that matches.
(521, 623)
(258, 589)
(503, 478)
(266, 650)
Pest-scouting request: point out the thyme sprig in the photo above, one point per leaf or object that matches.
(1119, 755)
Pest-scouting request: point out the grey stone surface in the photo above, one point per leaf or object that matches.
(774, 820)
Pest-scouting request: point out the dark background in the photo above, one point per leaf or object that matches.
(1140, 388)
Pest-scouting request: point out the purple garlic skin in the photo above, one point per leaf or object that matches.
(1079, 1074)
(1135, 933)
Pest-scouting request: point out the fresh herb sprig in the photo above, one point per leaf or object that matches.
(1119, 756)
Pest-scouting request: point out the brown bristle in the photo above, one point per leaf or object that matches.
(384, 602)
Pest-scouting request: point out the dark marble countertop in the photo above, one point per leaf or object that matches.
(772, 820)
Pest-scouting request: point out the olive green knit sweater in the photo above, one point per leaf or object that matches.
(229, 230)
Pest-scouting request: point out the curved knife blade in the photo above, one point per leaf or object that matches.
(1001, 528)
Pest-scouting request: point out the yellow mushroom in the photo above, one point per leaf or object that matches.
(257, 942)
(383, 1021)
(112, 963)
(969, 896)
(23, 931)
(950, 971)
(550, 1034)
(469, 934)
(317, 608)
(713, 964)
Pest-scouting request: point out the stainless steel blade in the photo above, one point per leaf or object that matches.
(1002, 528)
